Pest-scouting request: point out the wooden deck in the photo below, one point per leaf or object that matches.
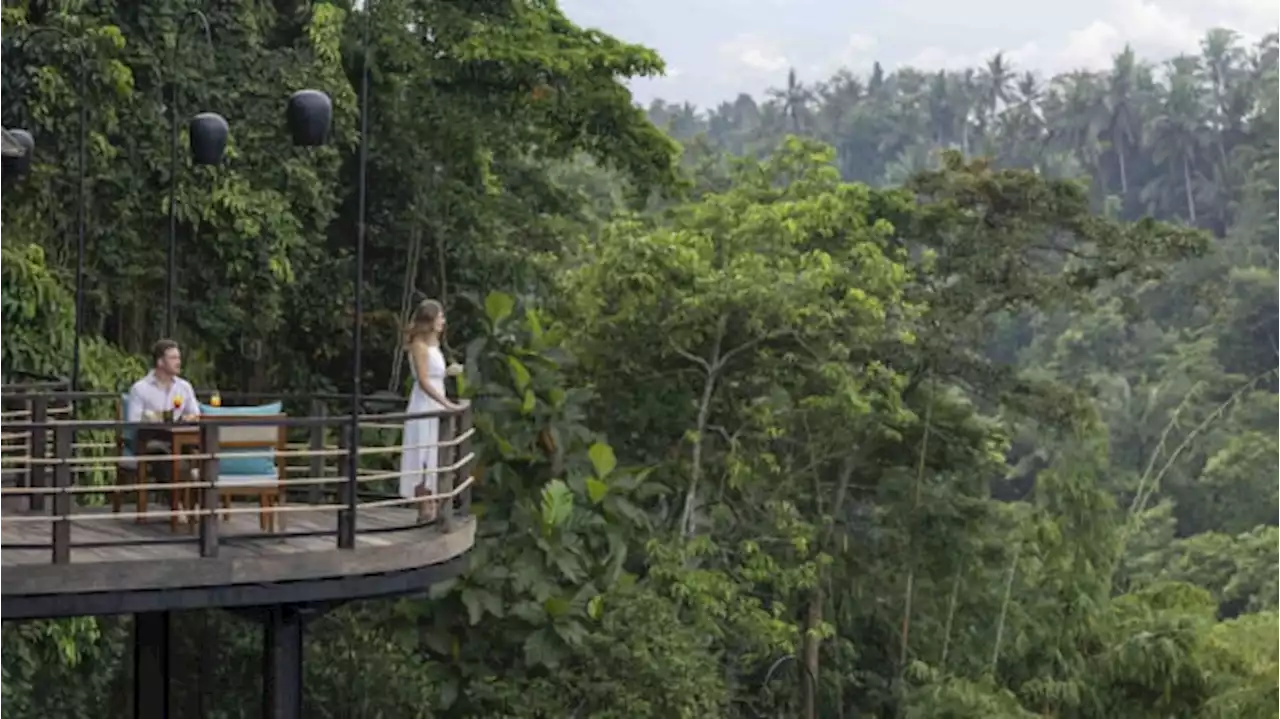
(241, 560)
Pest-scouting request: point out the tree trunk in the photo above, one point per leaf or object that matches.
(812, 645)
(1186, 183)
(704, 414)
(1124, 174)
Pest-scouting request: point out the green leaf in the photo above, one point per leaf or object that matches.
(492, 604)
(530, 611)
(595, 607)
(438, 640)
(571, 632)
(557, 504)
(569, 566)
(535, 324)
(556, 397)
(475, 609)
(528, 403)
(448, 690)
(519, 373)
(540, 649)
(596, 490)
(602, 459)
(498, 306)
(556, 606)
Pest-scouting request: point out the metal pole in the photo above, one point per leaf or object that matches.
(172, 255)
(81, 196)
(80, 232)
(358, 278)
(171, 258)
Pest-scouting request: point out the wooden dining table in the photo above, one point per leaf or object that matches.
(182, 438)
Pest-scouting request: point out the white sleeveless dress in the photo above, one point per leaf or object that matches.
(414, 459)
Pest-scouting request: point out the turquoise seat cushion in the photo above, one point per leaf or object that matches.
(229, 466)
(270, 408)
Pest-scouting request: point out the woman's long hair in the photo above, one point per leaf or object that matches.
(423, 321)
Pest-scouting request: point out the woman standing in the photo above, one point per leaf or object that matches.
(426, 361)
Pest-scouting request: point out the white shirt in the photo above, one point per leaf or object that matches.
(148, 395)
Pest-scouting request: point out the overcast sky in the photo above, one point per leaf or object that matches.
(715, 49)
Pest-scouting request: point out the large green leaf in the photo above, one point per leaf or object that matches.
(603, 460)
(557, 504)
(498, 306)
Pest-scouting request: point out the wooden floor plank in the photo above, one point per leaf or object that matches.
(102, 529)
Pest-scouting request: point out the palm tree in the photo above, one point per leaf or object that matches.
(838, 98)
(993, 89)
(1179, 131)
(795, 99)
(942, 113)
(1076, 116)
(1121, 113)
(963, 89)
(1021, 126)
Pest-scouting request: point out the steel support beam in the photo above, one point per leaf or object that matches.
(282, 630)
(152, 664)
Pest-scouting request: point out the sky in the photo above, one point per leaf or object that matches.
(715, 49)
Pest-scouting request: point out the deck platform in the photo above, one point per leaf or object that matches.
(323, 531)
(250, 569)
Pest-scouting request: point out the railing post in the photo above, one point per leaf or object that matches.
(17, 471)
(445, 456)
(39, 439)
(347, 490)
(209, 500)
(63, 438)
(464, 472)
(316, 468)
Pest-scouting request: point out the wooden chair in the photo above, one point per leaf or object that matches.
(256, 476)
(127, 472)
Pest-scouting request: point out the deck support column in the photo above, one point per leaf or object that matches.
(282, 627)
(152, 664)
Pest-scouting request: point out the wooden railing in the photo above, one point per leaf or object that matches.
(65, 467)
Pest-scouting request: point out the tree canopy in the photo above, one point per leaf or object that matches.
(906, 394)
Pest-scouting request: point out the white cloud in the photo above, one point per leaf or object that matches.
(860, 44)
(858, 51)
(1155, 28)
(1025, 56)
(752, 53)
(1261, 14)
(1091, 47)
(729, 46)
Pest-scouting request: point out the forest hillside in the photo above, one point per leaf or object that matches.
(896, 394)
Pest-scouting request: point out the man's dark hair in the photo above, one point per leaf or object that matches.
(160, 348)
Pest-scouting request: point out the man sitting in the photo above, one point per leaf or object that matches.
(162, 390)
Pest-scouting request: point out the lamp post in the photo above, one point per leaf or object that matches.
(347, 539)
(208, 133)
(308, 115)
(21, 164)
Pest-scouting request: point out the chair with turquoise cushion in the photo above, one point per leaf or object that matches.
(126, 469)
(258, 475)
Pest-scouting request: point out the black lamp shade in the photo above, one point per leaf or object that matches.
(209, 133)
(309, 115)
(16, 166)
